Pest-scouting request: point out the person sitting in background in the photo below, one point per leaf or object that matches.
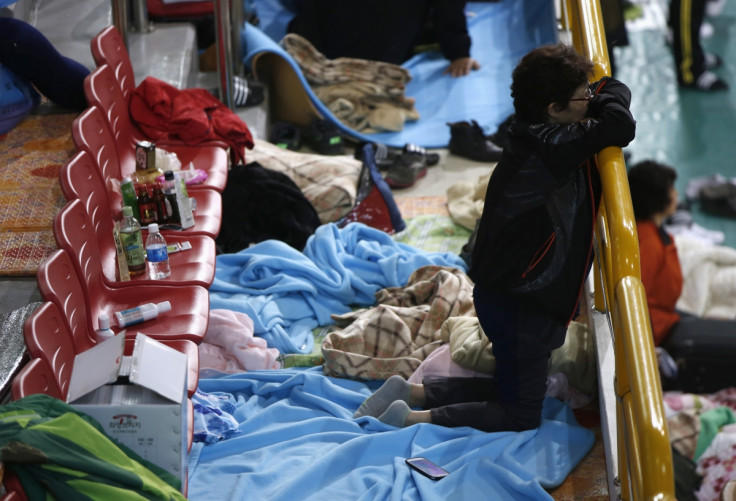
(654, 198)
(386, 30)
(32, 57)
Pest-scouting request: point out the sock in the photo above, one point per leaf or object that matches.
(395, 388)
(396, 414)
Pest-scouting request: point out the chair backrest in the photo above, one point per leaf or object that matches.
(58, 283)
(80, 178)
(35, 377)
(91, 133)
(48, 338)
(108, 47)
(101, 90)
(75, 233)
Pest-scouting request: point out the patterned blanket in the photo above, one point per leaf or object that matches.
(403, 328)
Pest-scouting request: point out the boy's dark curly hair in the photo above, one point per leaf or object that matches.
(547, 74)
(650, 183)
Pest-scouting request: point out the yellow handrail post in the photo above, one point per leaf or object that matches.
(641, 424)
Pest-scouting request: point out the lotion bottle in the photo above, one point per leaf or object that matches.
(139, 314)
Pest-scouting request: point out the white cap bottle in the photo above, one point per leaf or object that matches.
(141, 313)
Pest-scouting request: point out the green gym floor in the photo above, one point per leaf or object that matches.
(693, 131)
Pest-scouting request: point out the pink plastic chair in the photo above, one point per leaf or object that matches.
(80, 178)
(92, 134)
(59, 284)
(102, 90)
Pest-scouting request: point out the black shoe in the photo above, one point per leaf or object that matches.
(324, 137)
(707, 82)
(285, 135)
(404, 176)
(712, 61)
(468, 140)
(501, 136)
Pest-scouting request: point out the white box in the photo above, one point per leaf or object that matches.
(147, 410)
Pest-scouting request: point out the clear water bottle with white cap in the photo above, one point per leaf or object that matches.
(157, 255)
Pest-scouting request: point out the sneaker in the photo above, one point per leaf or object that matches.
(707, 82)
(404, 176)
(468, 140)
(712, 61)
(324, 137)
(285, 135)
(410, 154)
(713, 8)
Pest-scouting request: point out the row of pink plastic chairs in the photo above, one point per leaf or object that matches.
(79, 281)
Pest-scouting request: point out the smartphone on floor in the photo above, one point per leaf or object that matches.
(427, 468)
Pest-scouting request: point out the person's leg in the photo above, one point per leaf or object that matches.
(686, 17)
(522, 341)
(30, 55)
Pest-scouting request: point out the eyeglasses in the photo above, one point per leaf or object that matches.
(588, 96)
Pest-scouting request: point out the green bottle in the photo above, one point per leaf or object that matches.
(130, 198)
(132, 240)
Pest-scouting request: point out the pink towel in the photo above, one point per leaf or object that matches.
(229, 345)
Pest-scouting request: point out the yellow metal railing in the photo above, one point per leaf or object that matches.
(645, 469)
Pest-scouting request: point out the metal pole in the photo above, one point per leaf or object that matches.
(140, 16)
(237, 28)
(224, 50)
(120, 18)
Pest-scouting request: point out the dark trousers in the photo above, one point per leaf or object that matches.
(522, 341)
(30, 55)
(685, 19)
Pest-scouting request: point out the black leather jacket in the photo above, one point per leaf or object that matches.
(534, 239)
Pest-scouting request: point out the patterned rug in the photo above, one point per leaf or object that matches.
(31, 156)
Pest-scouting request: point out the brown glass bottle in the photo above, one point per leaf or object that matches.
(159, 200)
(146, 207)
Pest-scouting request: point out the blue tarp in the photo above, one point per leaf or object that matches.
(502, 32)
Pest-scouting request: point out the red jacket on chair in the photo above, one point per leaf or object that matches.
(191, 115)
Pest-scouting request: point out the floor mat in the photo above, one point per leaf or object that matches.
(31, 156)
(501, 32)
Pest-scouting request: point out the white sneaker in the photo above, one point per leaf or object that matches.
(713, 8)
(706, 30)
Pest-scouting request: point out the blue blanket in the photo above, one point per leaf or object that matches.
(502, 32)
(288, 293)
(297, 440)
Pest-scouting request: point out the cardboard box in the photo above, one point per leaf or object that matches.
(139, 400)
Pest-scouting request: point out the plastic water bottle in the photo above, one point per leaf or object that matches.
(158, 256)
(132, 241)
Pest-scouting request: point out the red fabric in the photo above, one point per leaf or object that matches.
(192, 116)
(661, 276)
(371, 211)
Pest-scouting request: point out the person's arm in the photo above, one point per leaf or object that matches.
(610, 123)
(451, 29)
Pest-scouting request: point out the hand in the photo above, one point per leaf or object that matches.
(462, 66)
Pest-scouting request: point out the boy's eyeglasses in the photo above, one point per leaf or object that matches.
(588, 96)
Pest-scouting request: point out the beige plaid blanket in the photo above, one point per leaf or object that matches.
(330, 183)
(404, 327)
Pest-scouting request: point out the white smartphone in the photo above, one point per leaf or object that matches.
(427, 468)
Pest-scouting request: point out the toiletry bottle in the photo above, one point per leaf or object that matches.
(169, 189)
(146, 207)
(162, 216)
(157, 254)
(104, 331)
(127, 188)
(141, 313)
(132, 240)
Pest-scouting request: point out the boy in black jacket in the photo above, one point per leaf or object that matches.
(534, 245)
